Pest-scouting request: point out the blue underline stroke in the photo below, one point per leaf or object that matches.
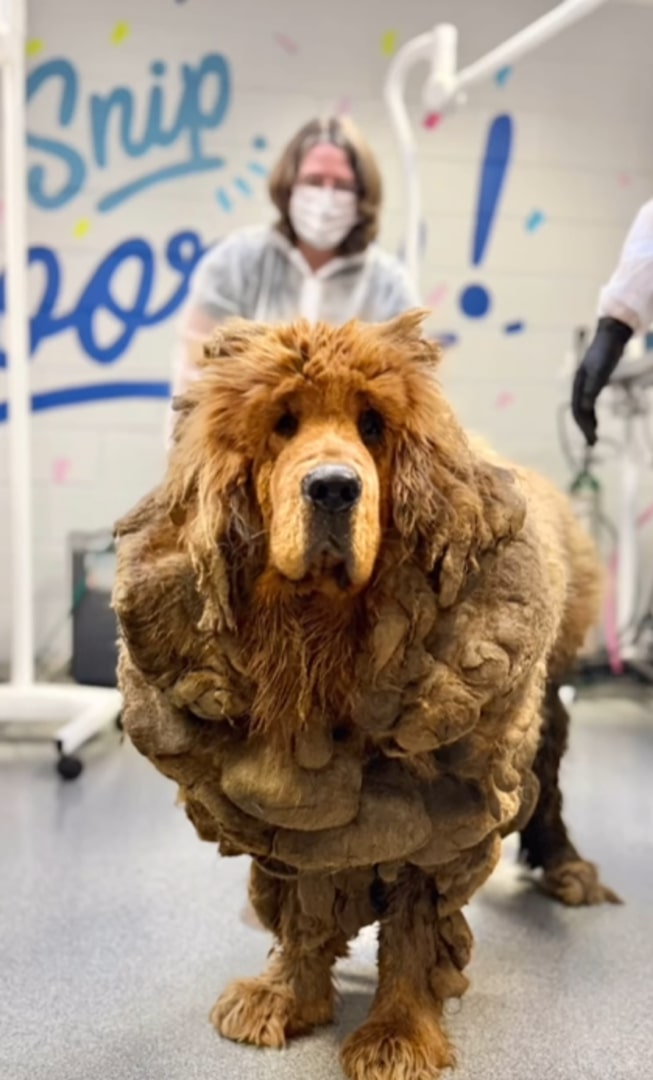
(93, 392)
(170, 172)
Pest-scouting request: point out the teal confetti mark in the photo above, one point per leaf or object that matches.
(256, 168)
(503, 75)
(535, 221)
(243, 186)
(259, 142)
(224, 200)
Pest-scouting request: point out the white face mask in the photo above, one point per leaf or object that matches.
(321, 216)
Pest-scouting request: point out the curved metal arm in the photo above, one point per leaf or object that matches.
(445, 86)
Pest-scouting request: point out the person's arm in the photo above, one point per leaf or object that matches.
(625, 308)
(395, 291)
(215, 294)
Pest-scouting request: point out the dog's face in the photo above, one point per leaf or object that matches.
(320, 489)
(325, 440)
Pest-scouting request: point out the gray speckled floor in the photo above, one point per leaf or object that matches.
(118, 928)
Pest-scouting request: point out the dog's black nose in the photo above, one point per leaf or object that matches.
(334, 488)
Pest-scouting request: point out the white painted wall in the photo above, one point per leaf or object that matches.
(583, 156)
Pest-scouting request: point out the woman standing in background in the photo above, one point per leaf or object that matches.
(318, 261)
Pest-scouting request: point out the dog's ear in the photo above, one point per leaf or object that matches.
(405, 332)
(450, 505)
(210, 499)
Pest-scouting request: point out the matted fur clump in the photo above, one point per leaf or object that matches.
(343, 625)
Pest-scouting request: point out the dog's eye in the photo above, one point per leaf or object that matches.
(371, 426)
(286, 425)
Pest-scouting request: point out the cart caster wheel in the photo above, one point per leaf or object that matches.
(68, 767)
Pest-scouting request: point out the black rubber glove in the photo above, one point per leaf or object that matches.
(594, 372)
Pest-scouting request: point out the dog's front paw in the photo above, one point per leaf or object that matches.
(265, 1013)
(408, 1049)
(577, 883)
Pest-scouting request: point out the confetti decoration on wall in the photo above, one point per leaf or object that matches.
(61, 468)
(504, 400)
(120, 33)
(343, 107)
(243, 186)
(81, 228)
(446, 341)
(389, 42)
(516, 327)
(437, 295)
(624, 179)
(432, 120)
(535, 221)
(286, 43)
(34, 47)
(503, 75)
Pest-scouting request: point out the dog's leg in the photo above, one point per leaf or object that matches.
(545, 842)
(422, 954)
(295, 993)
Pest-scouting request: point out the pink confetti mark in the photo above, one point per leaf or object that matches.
(343, 108)
(624, 180)
(504, 400)
(431, 120)
(286, 43)
(436, 296)
(60, 469)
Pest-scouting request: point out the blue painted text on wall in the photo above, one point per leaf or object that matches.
(120, 125)
(182, 253)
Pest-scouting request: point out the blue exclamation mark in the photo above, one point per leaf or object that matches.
(475, 300)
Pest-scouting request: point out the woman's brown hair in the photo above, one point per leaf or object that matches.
(342, 132)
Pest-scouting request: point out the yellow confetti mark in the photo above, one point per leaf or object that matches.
(389, 41)
(81, 228)
(120, 33)
(34, 47)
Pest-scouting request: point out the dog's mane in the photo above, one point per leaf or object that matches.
(448, 506)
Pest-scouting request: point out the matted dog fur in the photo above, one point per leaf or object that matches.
(343, 629)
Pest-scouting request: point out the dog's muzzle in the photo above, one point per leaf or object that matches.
(332, 493)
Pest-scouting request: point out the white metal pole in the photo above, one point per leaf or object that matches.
(17, 337)
(420, 48)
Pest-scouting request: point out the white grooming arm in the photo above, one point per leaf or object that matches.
(445, 86)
